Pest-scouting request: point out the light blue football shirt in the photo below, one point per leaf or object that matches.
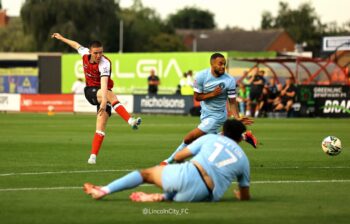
(205, 82)
(223, 160)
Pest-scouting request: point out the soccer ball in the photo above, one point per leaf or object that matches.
(331, 145)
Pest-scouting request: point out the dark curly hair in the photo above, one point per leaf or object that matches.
(234, 129)
(216, 55)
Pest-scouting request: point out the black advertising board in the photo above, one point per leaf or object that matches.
(325, 101)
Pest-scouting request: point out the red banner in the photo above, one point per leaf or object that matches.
(47, 102)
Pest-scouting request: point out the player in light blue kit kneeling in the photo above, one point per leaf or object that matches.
(217, 161)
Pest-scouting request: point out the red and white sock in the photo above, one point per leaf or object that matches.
(120, 109)
(97, 142)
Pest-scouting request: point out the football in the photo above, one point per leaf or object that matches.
(331, 145)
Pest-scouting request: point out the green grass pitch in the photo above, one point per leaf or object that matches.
(43, 165)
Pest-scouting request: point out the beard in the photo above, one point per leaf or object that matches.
(218, 72)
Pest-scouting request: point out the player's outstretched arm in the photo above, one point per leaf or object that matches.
(242, 193)
(233, 111)
(71, 43)
(182, 155)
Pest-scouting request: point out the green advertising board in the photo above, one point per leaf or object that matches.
(130, 70)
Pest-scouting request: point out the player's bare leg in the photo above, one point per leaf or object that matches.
(289, 105)
(101, 122)
(249, 108)
(257, 108)
(193, 135)
(189, 138)
(151, 175)
(120, 109)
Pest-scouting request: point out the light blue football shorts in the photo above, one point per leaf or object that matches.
(212, 123)
(183, 183)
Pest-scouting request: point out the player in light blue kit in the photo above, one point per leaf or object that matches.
(217, 162)
(213, 88)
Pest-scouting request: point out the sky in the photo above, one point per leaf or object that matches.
(233, 13)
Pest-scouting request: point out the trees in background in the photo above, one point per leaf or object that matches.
(144, 30)
(87, 20)
(13, 38)
(303, 24)
(192, 18)
(81, 20)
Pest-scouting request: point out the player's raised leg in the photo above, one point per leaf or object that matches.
(120, 109)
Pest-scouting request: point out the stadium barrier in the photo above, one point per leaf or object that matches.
(319, 101)
(54, 102)
(324, 101)
(10, 102)
(46, 102)
(163, 104)
(82, 105)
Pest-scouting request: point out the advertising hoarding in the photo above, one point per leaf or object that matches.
(19, 80)
(82, 105)
(163, 104)
(130, 70)
(47, 102)
(326, 101)
(10, 102)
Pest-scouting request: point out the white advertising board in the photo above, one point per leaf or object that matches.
(10, 102)
(337, 43)
(82, 105)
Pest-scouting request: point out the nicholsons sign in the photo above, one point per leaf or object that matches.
(163, 104)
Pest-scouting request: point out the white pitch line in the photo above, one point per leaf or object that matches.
(298, 181)
(62, 172)
(150, 185)
(40, 188)
(104, 171)
(300, 167)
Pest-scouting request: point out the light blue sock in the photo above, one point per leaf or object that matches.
(171, 158)
(128, 181)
